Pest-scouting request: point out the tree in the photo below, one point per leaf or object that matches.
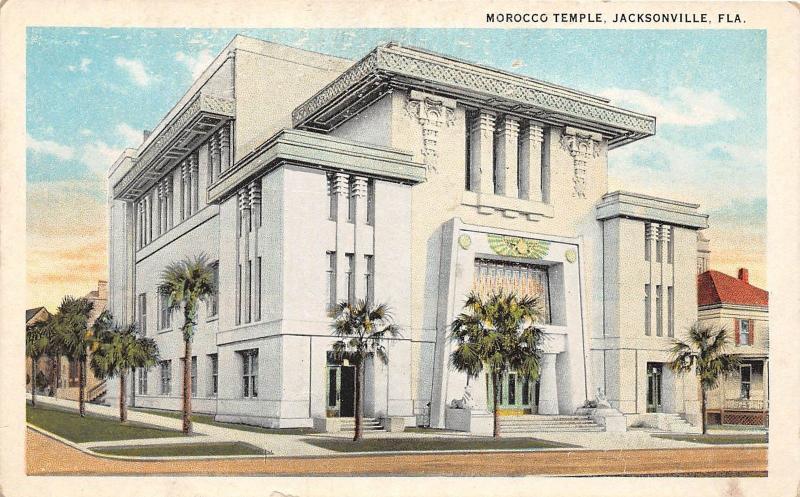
(121, 349)
(361, 329)
(74, 338)
(184, 284)
(38, 342)
(498, 332)
(704, 352)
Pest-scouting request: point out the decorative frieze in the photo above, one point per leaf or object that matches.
(582, 146)
(515, 246)
(359, 188)
(432, 113)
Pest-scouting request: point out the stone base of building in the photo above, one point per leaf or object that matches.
(670, 422)
(610, 419)
(474, 421)
(265, 421)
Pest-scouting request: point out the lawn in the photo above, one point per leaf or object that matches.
(718, 439)
(432, 443)
(71, 426)
(184, 450)
(208, 419)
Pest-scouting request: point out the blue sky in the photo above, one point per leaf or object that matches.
(91, 91)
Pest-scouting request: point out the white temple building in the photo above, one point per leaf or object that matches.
(410, 178)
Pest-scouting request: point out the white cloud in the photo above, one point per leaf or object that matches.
(131, 136)
(48, 147)
(98, 156)
(517, 63)
(135, 70)
(85, 132)
(683, 107)
(195, 63)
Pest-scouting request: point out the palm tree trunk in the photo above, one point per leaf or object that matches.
(56, 370)
(82, 387)
(187, 387)
(133, 387)
(703, 408)
(359, 431)
(123, 404)
(496, 406)
(33, 381)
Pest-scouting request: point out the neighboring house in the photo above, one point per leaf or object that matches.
(45, 378)
(743, 309)
(411, 178)
(69, 379)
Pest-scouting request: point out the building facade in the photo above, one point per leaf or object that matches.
(742, 309)
(409, 178)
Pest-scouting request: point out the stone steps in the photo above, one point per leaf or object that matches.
(367, 424)
(539, 423)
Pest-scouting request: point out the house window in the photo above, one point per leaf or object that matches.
(333, 202)
(369, 277)
(250, 373)
(214, 374)
(166, 377)
(141, 376)
(331, 279)
(163, 311)
(647, 241)
(351, 203)
(745, 372)
(744, 332)
(670, 311)
(659, 313)
(249, 287)
(659, 247)
(257, 293)
(351, 284)
(239, 294)
(671, 245)
(143, 313)
(371, 201)
(213, 301)
(647, 317)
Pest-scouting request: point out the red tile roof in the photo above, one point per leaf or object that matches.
(714, 287)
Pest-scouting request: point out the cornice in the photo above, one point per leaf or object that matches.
(395, 65)
(649, 208)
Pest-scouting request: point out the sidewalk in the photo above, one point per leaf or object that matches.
(295, 445)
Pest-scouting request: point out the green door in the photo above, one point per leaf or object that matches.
(516, 393)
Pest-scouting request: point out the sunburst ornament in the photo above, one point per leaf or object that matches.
(515, 246)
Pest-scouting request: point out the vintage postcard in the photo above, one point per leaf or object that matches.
(453, 242)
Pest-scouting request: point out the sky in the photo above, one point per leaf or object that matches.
(91, 92)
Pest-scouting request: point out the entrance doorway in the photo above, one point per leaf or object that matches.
(654, 377)
(340, 389)
(518, 395)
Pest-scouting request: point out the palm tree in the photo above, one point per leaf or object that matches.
(38, 342)
(184, 284)
(122, 349)
(361, 329)
(74, 338)
(499, 333)
(704, 352)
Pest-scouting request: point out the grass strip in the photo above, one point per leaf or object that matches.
(431, 444)
(209, 420)
(717, 439)
(184, 450)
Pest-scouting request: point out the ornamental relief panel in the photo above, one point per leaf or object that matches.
(432, 113)
(582, 147)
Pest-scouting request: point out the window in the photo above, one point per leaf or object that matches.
(143, 313)
(333, 203)
(214, 374)
(331, 279)
(512, 389)
(647, 317)
(257, 294)
(744, 332)
(213, 301)
(351, 284)
(141, 376)
(745, 373)
(659, 247)
(250, 373)
(239, 294)
(369, 277)
(529, 280)
(659, 313)
(670, 311)
(164, 311)
(249, 283)
(671, 245)
(166, 377)
(647, 242)
(371, 201)
(351, 203)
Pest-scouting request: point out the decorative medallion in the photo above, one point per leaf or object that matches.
(570, 255)
(464, 241)
(518, 247)
(432, 112)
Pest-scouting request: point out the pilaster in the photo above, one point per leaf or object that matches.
(225, 147)
(530, 162)
(505, 162)
(341, 188)
(481, 158)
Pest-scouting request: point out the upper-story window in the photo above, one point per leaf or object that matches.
(648, 244)
(371, 201)
(745, 333)
(249, 373)
(330, 279)
(142, 304)
(213, 300)
(369, 279)
(333, 201)
(526, 280)
(163, 311)
(349, 278)
(351, 202)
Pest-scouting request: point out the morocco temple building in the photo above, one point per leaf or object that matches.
(410, 178)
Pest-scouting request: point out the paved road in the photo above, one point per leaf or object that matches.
(48, 456)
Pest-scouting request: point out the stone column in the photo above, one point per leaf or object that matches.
(224, 148)
(530, 162)
(184, 190)
(170, 199)
(548, 389)
(194, 177)
(506, 157)
(213, 158)
(481, 157)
